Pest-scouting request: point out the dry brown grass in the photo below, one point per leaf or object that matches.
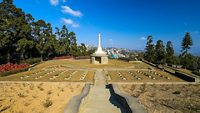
(31, 99)
(83, 64)
(166, 98)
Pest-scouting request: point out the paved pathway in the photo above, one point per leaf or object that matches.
(97, 100)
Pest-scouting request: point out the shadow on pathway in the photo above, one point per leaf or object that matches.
(118, 100)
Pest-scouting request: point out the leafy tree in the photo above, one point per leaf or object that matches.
(169, 52)
(83, 49)
(186, 43)
(74, 50)
(63, 41)
(23, 45)
(21, 37)
(149, 53)
(194, 65)
(186, 58)
(50, 47)
(160, 52)
(90, 51)
(176, 60)
(43, 37)
(187, 61)
(72, 38)
(13, 27)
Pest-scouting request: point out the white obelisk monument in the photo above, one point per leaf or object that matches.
(99, 57)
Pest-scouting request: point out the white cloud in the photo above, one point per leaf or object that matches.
(54, 2)
(110, 42)
(67, 21)
(70, 22)
(75, 25)
(67, 9)
(143, 38)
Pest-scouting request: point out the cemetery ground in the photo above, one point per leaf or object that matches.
(48, 86)
(166, 98)
(83, 71)
(36, 97)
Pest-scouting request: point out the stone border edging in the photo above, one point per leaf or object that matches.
(133, 103)
(74, 103)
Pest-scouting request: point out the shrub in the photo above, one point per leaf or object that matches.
(47, 103)
(40, 88)
(176, 92)
(49, 92)
(82, 57)
(31, 61)
(21, 95)
(63, 57)
(6, 73)
(196, 72)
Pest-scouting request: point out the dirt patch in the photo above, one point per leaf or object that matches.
(166, 98)
(35, 97)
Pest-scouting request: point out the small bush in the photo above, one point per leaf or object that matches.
(40, 88)
(21, 95)
(47, 103)
(31, 61)
(196, 72)
(26, 104)
(49, 92)
(31, 87)
(177, 92)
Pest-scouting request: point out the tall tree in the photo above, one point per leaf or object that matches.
(160, 52)
(42, 36)
(185, 57)
(63, 40)
(74, 50)
(169, 52)
(13, 27)
(83, 49)
(23, 45)
(198, 62)
(149, 53)
(186, 43)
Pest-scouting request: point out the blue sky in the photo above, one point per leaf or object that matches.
(122, 23)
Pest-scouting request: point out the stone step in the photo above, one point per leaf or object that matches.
(97, 100)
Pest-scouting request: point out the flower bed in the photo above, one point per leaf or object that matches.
(11, 68)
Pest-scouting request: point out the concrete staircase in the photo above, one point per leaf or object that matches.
(97, 100)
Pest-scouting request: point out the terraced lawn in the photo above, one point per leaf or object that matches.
(141, 76)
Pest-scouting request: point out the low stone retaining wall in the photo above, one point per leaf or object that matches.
(74, 103)
(184, 76)
(178, 74)
(128, 103)
(119, 100)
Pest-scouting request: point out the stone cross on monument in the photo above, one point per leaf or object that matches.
(99, 49)
(99, 57)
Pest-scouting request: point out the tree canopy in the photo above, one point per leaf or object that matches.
(22, 37)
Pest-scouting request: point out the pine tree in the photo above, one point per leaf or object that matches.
(169, 53)
(185, 57)
(186, 43)
(160, 52)
(13, 27)
(149, 53)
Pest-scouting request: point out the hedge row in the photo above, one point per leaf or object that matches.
(6, 73)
